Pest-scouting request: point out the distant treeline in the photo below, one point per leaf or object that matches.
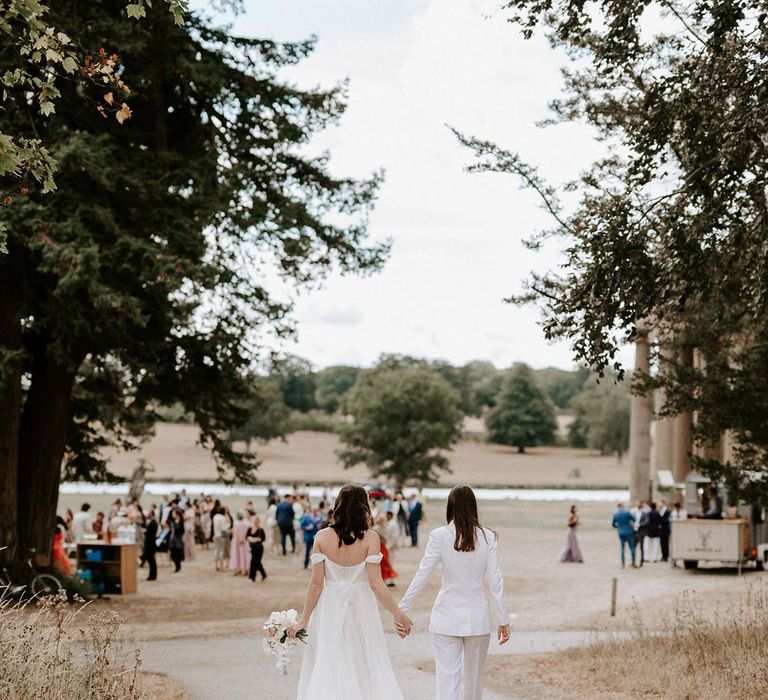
(519, 404)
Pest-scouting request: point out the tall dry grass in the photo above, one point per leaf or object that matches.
(55, 651)
(697, 653)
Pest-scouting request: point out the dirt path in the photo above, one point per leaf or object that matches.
(236, 668)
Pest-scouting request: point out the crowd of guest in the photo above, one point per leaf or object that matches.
(645, 529)
(176, 525)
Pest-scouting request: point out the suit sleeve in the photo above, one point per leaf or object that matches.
(428, 563)
(496, 581)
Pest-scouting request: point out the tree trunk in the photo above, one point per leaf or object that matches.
(10, 405)
(44, 425)
(521, 449)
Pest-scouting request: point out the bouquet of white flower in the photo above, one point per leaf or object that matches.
(277, 642)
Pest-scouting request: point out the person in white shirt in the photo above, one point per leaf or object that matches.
(82, 522)
(221, 527)
(460, 623)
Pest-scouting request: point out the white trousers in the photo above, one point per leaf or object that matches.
(651, 549)
(460, 659)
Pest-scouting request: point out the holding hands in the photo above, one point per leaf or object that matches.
(503, 634)
(403, 624)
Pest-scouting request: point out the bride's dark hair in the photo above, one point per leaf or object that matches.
(351, 515)
(462, 512)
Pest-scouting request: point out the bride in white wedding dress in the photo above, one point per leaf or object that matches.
(346, 656)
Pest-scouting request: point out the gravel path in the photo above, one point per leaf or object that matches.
(236, 668)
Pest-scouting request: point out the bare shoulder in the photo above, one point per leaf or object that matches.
(326, 536)
(372, 537)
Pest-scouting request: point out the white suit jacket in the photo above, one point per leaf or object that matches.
(461, 607)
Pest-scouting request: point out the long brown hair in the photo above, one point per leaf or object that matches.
(351, 514)
(462, 512)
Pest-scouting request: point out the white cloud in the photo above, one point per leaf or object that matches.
(414, 66)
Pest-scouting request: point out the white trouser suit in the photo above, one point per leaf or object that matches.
(460, 622)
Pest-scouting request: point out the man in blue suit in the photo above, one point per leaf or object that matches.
(284, 517)
(415, 516)
(623, 521)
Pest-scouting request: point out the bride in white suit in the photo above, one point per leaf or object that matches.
(460, 623)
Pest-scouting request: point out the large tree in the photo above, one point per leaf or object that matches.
(37, 55)
(601, 417)
(268, 416)
(522, 416)
(404, 414)
(332, 384)
(667, 233)
(143, 280)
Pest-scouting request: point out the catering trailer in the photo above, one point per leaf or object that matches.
(735, 535)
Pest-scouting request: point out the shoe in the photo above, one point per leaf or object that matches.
(152, 579)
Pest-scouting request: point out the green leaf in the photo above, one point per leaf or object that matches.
(136, 11)
(47, 108)
(69, 64)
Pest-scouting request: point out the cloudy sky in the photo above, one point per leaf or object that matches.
(415, 66)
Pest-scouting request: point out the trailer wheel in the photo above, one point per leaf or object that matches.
(690, 564)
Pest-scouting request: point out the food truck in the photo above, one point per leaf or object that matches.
(714, 532)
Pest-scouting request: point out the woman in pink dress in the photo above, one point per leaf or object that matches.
(240, 554)
(572, 551)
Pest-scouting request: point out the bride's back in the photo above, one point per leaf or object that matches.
(327, 542)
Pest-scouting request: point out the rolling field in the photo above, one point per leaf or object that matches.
(310, 457)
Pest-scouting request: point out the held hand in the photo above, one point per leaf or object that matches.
(503, 634)
(403, 624)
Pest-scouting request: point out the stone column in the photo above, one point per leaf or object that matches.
(640, 430)
(681, 462)
(664, 430)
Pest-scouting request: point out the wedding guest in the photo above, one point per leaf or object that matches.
(624, 523)
(176, 544)
(415, 516)
(150, 545)
(230, 525)
(60, 558)
(82, 522)
(640, 514)
(666, 530)
(572, 552)
(388, 574)
(272, 527)
(401, 514)
(678, 513)
(299, 508)
(393, 533)
(189, 532)
(239, 558)
(220, 537)
(68, 518)
(256, 537)
(284, 516)
(309, 527)
(98, 525)
(653, 535)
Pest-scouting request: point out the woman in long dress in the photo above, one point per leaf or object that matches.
(572, 552)
(346, 655)
(240, 553)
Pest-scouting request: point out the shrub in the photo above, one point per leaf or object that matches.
(52, 650)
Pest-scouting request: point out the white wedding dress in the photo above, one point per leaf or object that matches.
(346, 656)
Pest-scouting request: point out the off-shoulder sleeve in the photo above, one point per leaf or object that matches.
(374, 558)
(317, 557)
